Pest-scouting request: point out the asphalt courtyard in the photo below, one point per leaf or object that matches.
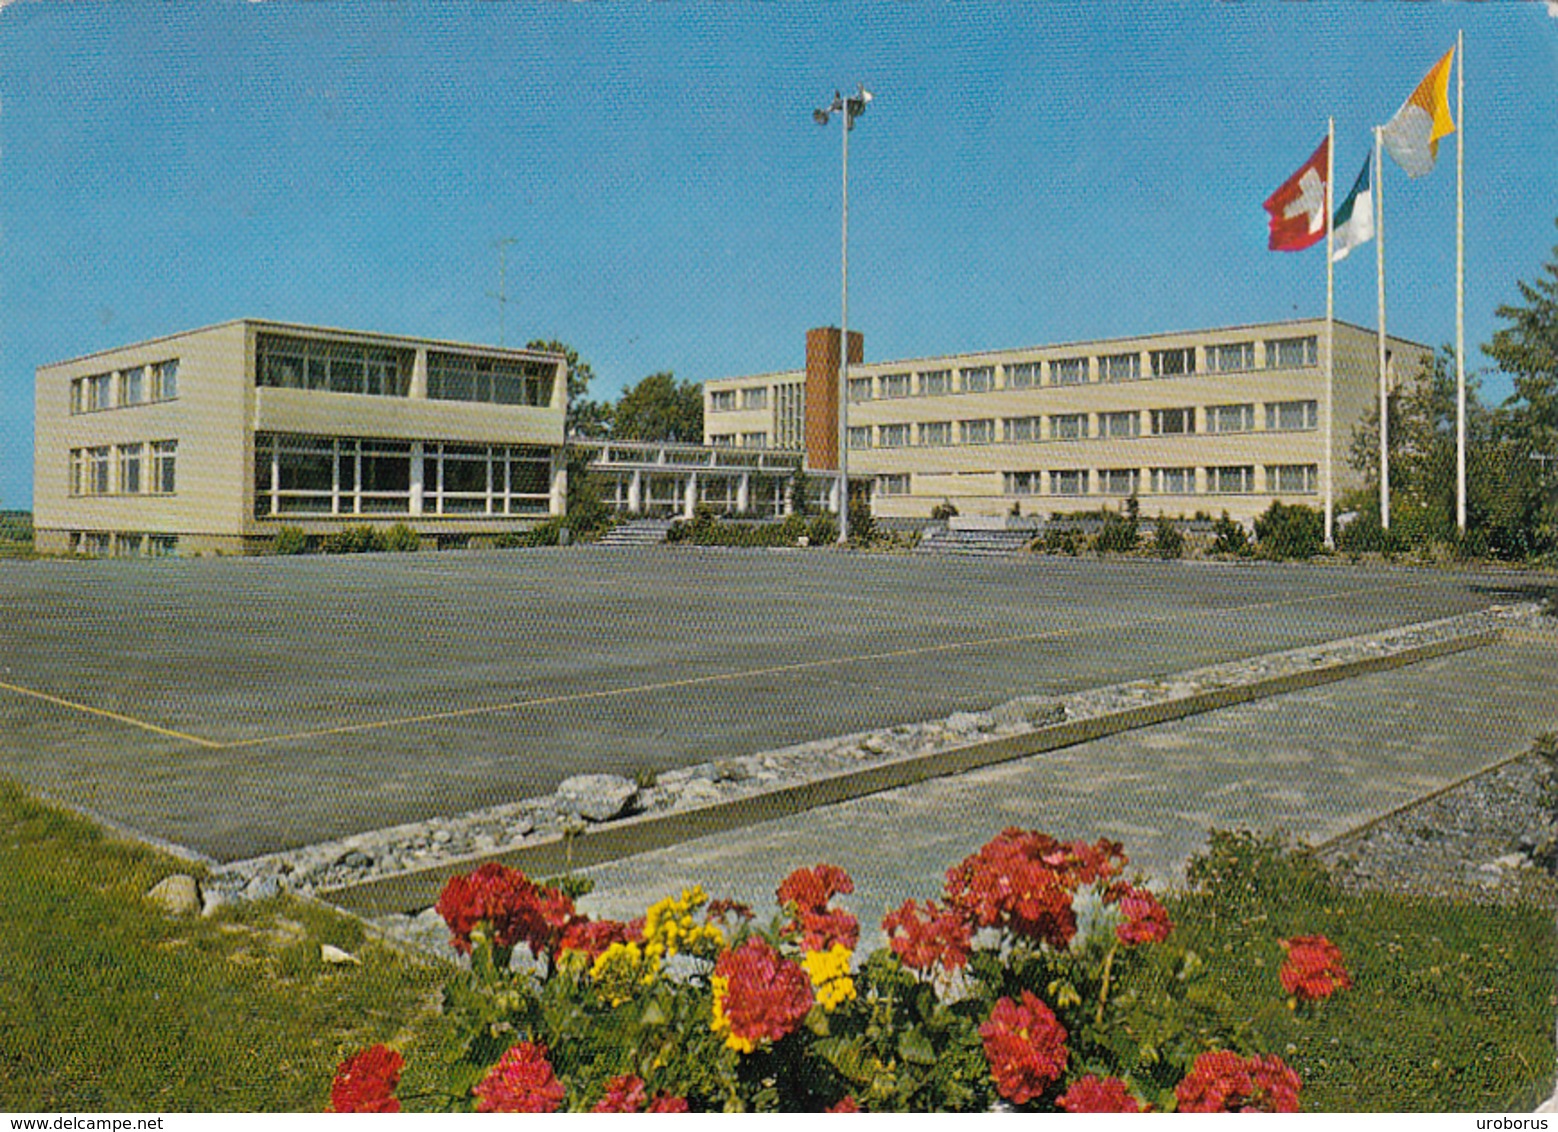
(239, 706)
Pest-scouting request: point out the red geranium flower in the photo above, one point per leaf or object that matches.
(366, 1081)
(805, 894)
(623, 1094)
(1222, 1081)
(521, 1081)
(1314, 968)
(592, 937)
(848, 1104)
(1024, 881)
(515, 910)
(921, 939)
(1090, 1094)
(665, 1102)
(1025, 1046)
(1146, 921)
(765, 995)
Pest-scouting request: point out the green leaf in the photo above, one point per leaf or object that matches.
(914, 1046)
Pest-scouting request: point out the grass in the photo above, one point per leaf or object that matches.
(106, 1004)
(1452, 1005)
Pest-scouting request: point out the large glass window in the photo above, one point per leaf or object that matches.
(164, 459)
(979, 379)
(130, 459)
(494, 381)
(893, 436)
(1127, 424)
(936, 433)
(286, 362)
(165, 380)
(1298, 479)
(1119, 481)
(722, 400)
(859, 389)
(936, 382)
(895, 385)
(1228, 357)
(1174, 363)
(860, 437)
(897, 484)
(1236, 480)
(1230, 418)
(977, 432)
(755, 398)
(1173, 422)
(1174, 481)
(1289, 416)
(1022, 375)
(1068, 426)
(1292, 353)
(1119, 367)
(1021, 430)
(132, 385)
(1068, 481)
(1068, 371)
(1023, 483)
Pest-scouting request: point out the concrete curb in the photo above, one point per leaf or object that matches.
(417, 889)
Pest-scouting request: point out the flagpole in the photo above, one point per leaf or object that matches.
(1384, 390)
(1330, 305)
(1460, 284)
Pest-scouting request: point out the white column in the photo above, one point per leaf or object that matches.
(558, 504)
(690, 501)
(743, 492)
(418, 390)
(417, 474)
(636, 492)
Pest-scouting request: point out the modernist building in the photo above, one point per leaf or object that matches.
(215, 438)
(1216, 420)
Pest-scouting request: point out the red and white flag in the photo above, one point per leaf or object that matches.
(1298, 209)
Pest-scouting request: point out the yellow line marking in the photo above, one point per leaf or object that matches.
(113, 715)
(785, 669)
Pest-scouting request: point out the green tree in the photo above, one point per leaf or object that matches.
(659, 408)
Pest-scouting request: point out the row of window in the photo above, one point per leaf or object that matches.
(352, 476)
(1180, 361)
(120, 389)
(140, 468)
(1235, 479)
(743, 440)
(1281, 416)
(284, 362)
(123, 544)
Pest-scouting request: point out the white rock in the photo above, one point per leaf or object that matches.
(336, 957)
(597, 797)
(177, 895)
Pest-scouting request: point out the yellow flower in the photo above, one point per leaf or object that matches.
(619, 969)
(669, 926)
(829, 971)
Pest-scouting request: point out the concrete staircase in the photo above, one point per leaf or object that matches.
(638, 532)
(981, 543)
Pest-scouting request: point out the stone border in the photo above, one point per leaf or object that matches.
(404, 868)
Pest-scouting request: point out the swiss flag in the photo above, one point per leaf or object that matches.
(1299, 208)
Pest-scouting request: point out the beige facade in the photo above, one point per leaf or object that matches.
(214, 439)
(1208, 421)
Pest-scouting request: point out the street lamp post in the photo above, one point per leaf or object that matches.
(851, 107)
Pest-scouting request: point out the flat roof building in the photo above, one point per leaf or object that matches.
(213, 439)
(1230, 419)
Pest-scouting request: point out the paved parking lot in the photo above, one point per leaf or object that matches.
(240, 706)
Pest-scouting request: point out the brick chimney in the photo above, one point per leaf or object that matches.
(822, 393)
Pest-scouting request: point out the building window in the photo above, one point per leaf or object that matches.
(1236, 480)
(89, 471)
(1068, 481)
(1119, 481)
(936, 383)
(1068, 371)
(859, 389)
(1230, 418)
(94, 544)
(977, 432)
(1174, 481)
(1297, 479)
(754, 440)
(723, 440)
(1117, 425)
(895, 385)
(979, 379)
(790, 415)
(1022, 375)
(722, 400)
(893, 485)
(1292, 353)
(1022, 430)
(129, 544)
(1068, 426)
(92, 394)
(1120, 367)
(1291, 416)
(283, 362)
(162, 546)
(165, 380)
(1174, 363)
(489, 381)
(860, 437)
(1229, 357)
(893, 436)
(755, 398)
(1023, 483)
(131, 457)
(461, 476)
(164, 459)
(1173, 422)
(934, 433)
(132, 386)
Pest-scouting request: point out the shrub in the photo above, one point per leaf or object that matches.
(1290, 531)
(1061, 540)
(821, 530)
(862, 524)
(401, 538)
(359, 538)
(1119, 535)
(290, 540)
(1038, 977)
(1229, 537)
(548, 532)
(1167, 540)
(943, 511)
(1365, 535)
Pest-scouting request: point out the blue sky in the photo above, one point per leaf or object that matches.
(1026, 174)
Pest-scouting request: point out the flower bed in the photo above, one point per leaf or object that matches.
(1040, 979)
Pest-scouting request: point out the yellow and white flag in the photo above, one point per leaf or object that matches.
(1412, 136)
